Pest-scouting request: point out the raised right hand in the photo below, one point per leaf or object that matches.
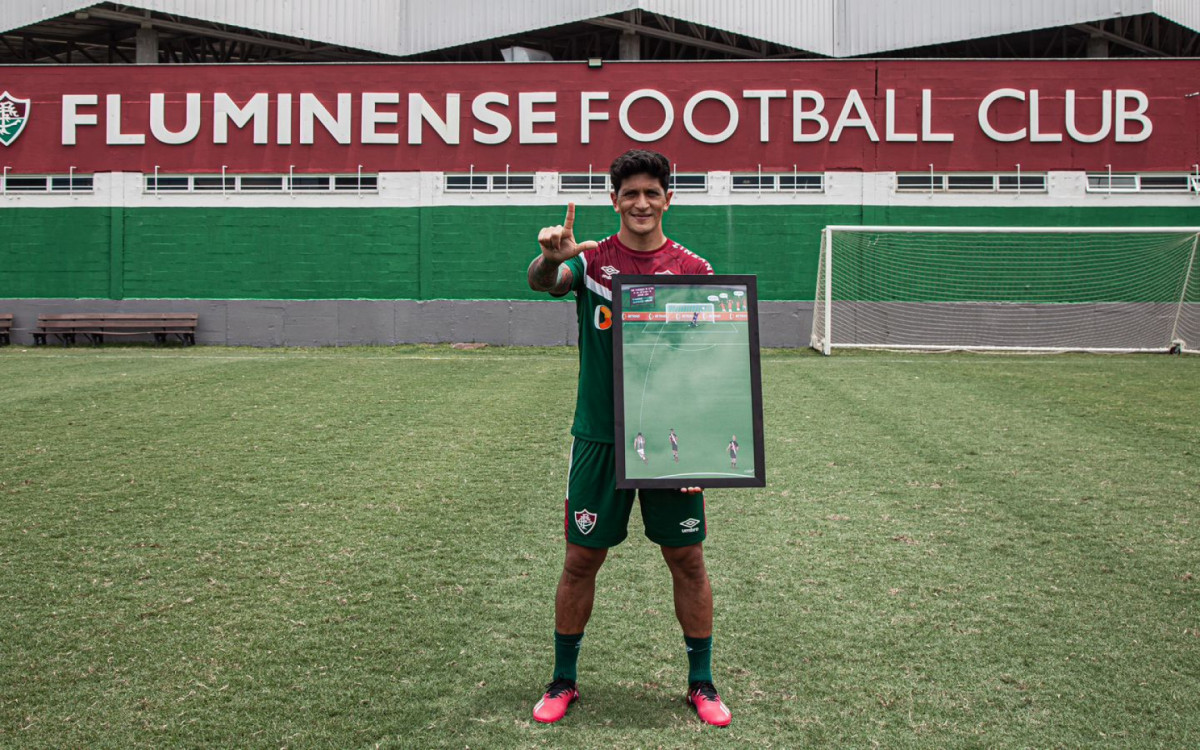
(558, 243)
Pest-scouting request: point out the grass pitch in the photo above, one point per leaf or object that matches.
(350, 548)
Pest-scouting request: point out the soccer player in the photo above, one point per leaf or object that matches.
(597, 513)
(639, 445)
(695, 320)
(674, 444)
(733, 451)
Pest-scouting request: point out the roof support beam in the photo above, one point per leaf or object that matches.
(1088, 28)
(189, 28)
(671, 36)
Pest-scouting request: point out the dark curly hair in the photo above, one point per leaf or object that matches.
(638, 161)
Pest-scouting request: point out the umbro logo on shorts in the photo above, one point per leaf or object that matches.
(689, 525)
(585, 521)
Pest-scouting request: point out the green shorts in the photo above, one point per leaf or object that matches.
(597, 513)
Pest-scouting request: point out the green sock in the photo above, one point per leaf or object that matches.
(699, 651)
(566, 654)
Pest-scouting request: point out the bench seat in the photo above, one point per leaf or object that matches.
(95, 326)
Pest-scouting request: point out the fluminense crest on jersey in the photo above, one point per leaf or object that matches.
(585, 520)
(14, 114)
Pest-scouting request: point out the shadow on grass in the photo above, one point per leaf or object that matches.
(600, 705)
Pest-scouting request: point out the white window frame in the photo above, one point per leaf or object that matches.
(772, 182)
(1132, 182)
(596, 182)
(76, 184)
(941, 182)
(234, 183)
(488, 182)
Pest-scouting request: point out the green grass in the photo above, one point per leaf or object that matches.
(349, 548)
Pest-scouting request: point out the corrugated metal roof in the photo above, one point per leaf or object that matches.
(1183, 12)
(866, 27)
(447, 23)
(14, 15)
(838, 28)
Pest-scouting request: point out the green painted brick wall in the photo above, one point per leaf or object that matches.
(445, 252)
(55, 252)
(254, 253)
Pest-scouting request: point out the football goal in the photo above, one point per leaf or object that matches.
(680, 312)
(1008, 288)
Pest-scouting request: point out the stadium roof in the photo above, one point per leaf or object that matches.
(77, 31)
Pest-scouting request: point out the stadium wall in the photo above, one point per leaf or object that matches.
(402, 266)
(411, 260)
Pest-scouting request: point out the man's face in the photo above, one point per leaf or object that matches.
(641, 202)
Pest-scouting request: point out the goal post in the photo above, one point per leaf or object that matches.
(1008, 288)
(682, 312)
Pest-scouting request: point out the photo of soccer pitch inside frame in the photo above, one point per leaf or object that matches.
(687, 383)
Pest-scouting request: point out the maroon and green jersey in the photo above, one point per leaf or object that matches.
(592, 273)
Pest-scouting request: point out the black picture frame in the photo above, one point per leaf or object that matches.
(702, 348)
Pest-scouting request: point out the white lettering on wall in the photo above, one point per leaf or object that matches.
(114, 136)
(528, 117)
(498, 120)
(587, 116)
(158, 120)
(421, 111)
(668, 115)
(72, 118)
(764, 97)
(372, 118)
(226, 111)
(800, 115)
(730, 124)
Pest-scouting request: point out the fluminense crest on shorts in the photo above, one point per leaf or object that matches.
(14, 113)
(585, 520)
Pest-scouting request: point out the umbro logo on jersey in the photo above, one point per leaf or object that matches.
(609, 271)
(664, 273)
(689, 525)
(585, 521)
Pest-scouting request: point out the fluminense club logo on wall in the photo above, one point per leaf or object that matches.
(14, 113)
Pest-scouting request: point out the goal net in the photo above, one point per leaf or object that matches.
(1088, 289)
(679, 312)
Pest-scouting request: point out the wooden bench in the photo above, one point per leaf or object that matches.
(95, 326)
(5, 328)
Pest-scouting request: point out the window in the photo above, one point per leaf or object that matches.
(1174, 183)
(1106, 182)
(921, 181)
(260, 183)
(162, 184)
(583, 183)
(48, 184)
(204, 182)
(309, 182)
(495, 183)
(689, 182)
(796, 181)
(971, 182)
(305, 183)
(522, 183)
(1034, 183)
(356, 182)
(1147, 182)
(766, 182)
(966, 182)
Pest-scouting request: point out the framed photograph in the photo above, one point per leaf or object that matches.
(687, 382)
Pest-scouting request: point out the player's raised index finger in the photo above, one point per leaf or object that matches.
(569, 222)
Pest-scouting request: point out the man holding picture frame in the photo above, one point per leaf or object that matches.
(597, 513)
